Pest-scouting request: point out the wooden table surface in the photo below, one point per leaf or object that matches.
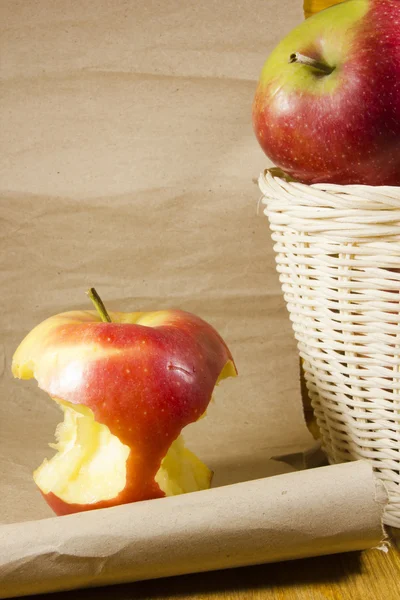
(369, 575)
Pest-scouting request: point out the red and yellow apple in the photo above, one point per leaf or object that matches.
(127, 388)
(327, 105)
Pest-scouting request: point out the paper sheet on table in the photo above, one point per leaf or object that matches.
(128, 162)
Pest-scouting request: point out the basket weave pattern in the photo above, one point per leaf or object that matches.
(338, 256)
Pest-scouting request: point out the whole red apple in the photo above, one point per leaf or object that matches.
(127, 389)
(327, 106)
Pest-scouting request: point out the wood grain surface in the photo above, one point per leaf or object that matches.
(370, 575)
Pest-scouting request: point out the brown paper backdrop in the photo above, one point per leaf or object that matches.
(128, 162)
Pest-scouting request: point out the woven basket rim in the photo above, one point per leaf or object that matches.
(341, 212)
(329, 194)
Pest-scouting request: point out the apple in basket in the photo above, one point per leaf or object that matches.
(127, 384)
(327, 105)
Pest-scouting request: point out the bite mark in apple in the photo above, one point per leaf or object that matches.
(128, 396)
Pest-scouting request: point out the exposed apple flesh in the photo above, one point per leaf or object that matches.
(181, 471)
(127, 389)
(90, 464)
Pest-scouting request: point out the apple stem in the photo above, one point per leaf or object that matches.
(98, 303)
(296, 57)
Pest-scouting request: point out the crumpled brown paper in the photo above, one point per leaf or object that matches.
(246, 523)
(128, 162)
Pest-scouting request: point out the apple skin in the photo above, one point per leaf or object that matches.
(145, 376)
(342, 127)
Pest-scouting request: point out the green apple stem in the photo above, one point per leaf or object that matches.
(296, 57)
(98, 303)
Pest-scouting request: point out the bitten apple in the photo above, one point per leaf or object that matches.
(327, 106)
(127, 388)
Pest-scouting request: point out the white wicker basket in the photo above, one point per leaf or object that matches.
(338, 256)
